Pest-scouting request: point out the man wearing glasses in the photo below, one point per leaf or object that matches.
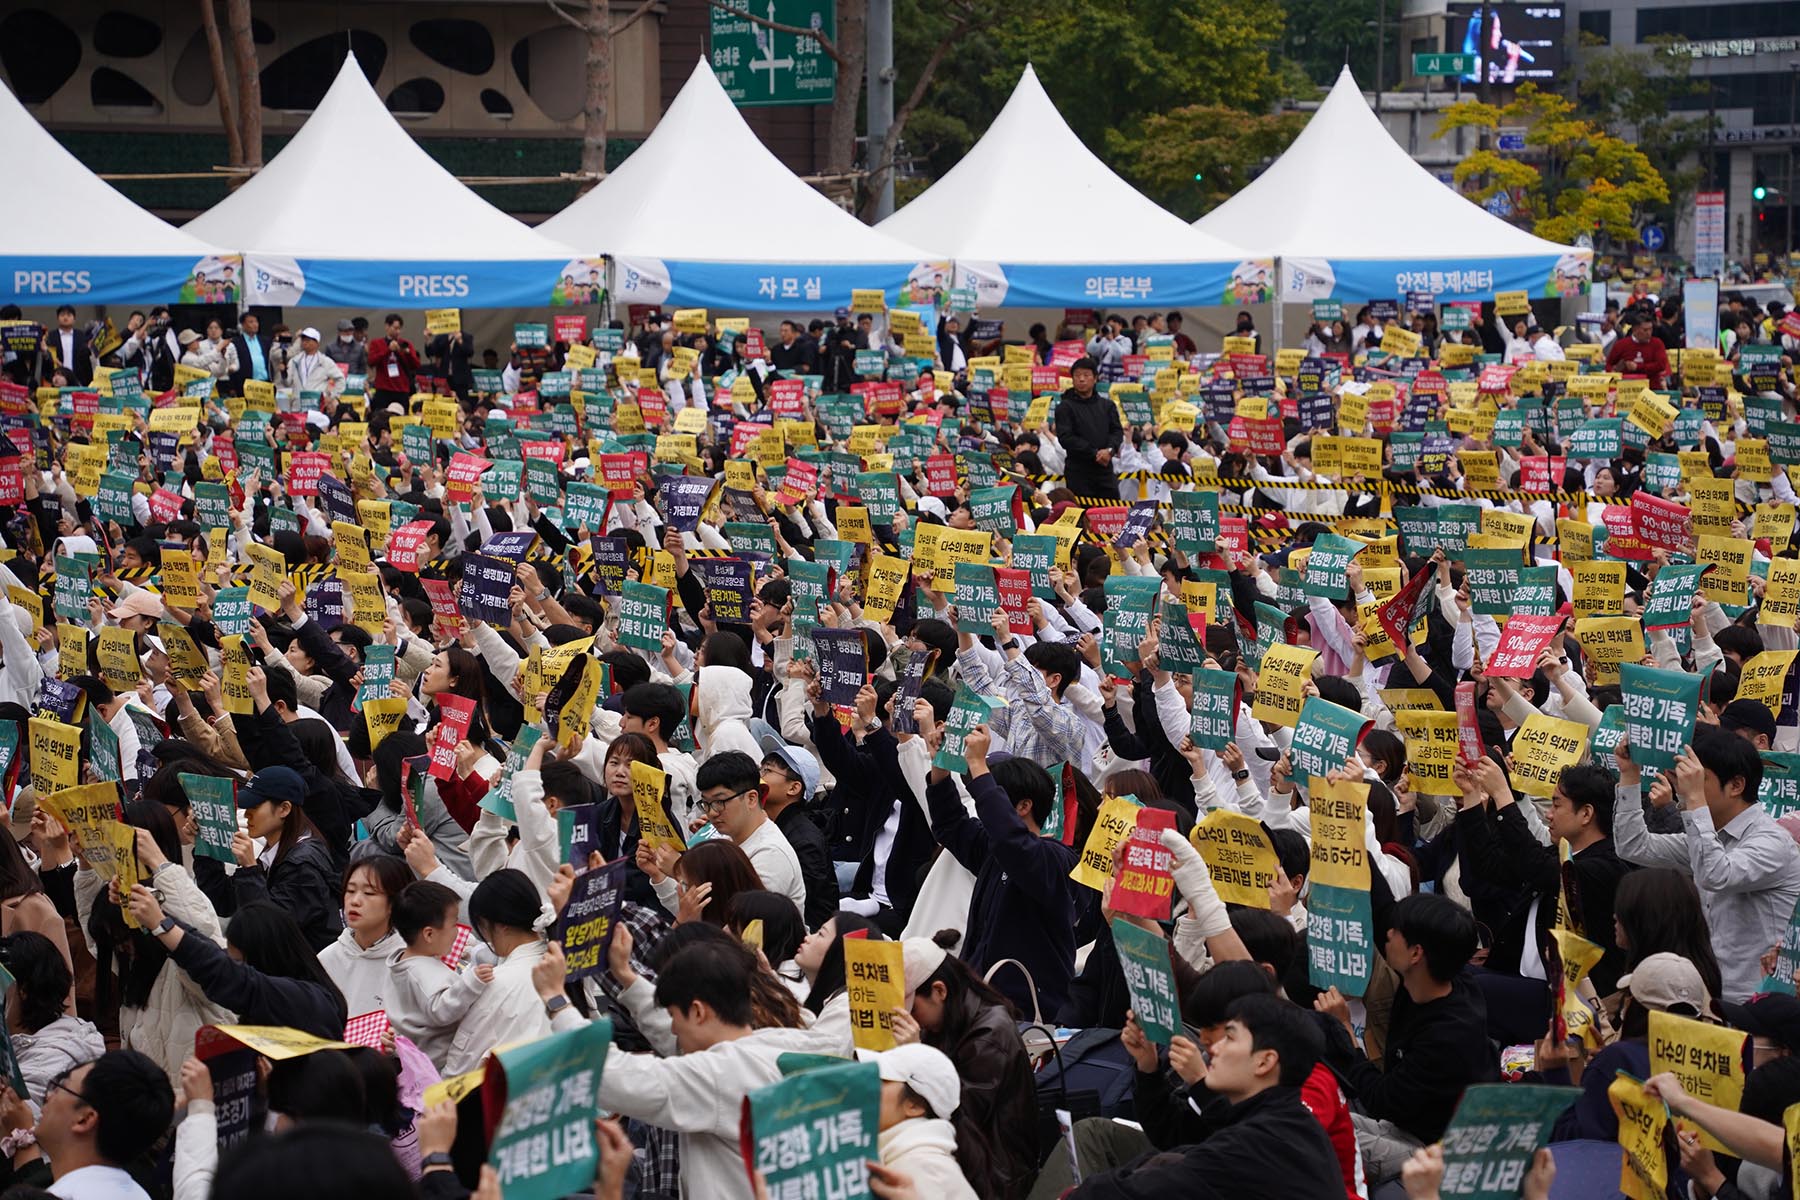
(730, 786)
(99, 1118)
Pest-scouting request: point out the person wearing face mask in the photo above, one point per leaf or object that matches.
(1246, 327)
(347, 351)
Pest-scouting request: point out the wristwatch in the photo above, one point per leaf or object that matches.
(168, 923)
(554, 1005)
(1240, 776)
(437, 1158)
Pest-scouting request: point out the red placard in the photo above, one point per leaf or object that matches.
(1621, 540)
(800, 484)
(1144, 887)
(1106, 522)
(15, 398)
(618, 472)
(304, 469)
(406, 550)
(12, 480)
(1523, 639)
(754, 345)
(569, 327)
(1044, 379)
(1468, 733)
(1134, 364)
(225, 447)
(1661, 524)
(463, 475)
(1395, 613)
(525, 402)
(940, 475)
(1542, 472)
(1495, 377)
(886, 399)
(457, 714)
(165, 505)
(548, 451)
(1015, 597)
(446, 619)
(655, 407)
(787, 399)
(1066, 354)
(1265, 437)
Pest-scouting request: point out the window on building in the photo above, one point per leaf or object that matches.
(416, 97)
(495, 104)
(1764, 93)
(126, 35)
(299, 79)
(38, 52)
(1594, 26)
(115, 89)
(456, 43)
(1706, 22)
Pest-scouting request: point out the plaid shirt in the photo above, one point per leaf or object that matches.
(1034, 724)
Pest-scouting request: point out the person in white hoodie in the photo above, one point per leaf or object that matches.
(358, 961)
(722, 713)
(47, 1041)
(919, 1092)
(429, 998)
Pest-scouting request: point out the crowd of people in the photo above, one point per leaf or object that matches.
(332, 668)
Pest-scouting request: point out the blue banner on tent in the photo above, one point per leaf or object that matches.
(1473, 278)
(49, 279)
(752, 286)
(1058, 285)
(272, 279)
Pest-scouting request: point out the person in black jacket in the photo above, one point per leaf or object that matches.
(1266, 1143)
(1023, 906)
(790, 780)
(295, 869)
(252, 354)
(1498, 844)
(1437, 1042)
(275, 979)
(1088, 426)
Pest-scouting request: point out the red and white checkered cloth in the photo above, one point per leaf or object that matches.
(459, 948)
(367, 1029)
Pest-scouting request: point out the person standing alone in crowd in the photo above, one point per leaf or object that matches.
(1088, 426)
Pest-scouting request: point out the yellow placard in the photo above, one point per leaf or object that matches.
(352, 543)
(278, 1041)
(234, 654)
(868, 300)
(368, 611)
(904, 321)
(1233, 344)
(1410, 699)
(1727, 581)
(853, 524)
(71, 651)
(648, 787)
(383, 714)
(1753, 459)
(1609, 641)
(690, 420)
(578, 710)
(1651, 413)
(1431, 743)
(938, 548)
(887, 581)
(581, 357)
(1542, 747)
(1512, 304)
(1113, 824)
(1781, 596)
(1339, 809)
(1401, 343)
(1238, 855)
(1643, 1121)
(1481, 470)
(1708, 1059)
(186, 660)
(1774, 522)
(1281, 682)
(1578, 958)
(1763, 676)
(875, 980)
(1599, 589)
(377, 517)
(268, 567)
(443, 320)
(690, 320)
(116, 650)
(55, 755)
(180, 578)
(1575, 541)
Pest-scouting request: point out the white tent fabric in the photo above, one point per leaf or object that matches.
(1351, 215)
(1032, 217)
(703, 214)
(314, 231)
(67, 235)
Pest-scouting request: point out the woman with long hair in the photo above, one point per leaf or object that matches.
(707, 878)
(273, 978)
(619, 832)
(954, 1010)
(820, 959)
(358, 962)
(23, 904)
(159, 1008)
(781, 929)
(47, 1040)
(1657, 911)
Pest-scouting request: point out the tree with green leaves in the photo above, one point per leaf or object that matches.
(1194, 158)
(1632, 94)
(1576, 177)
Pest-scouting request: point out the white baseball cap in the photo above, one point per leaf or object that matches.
(310, 332)
(927, 1070)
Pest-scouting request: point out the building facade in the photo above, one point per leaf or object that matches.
(490, 87)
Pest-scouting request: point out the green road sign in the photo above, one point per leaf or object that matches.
(1423, 64)
(761, 67)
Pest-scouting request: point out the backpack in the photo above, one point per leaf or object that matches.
(1090, 1075)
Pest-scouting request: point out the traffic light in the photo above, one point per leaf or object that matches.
(1759, 193)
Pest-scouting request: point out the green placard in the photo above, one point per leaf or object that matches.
(543, 1146)
(1194, 521)
(1660, 707)
(212, 801)
(1325, 737)
(763, 68)
(1671, 598)
(1130, 601)
(1144, 961)
(1340, 951)
(643, 616)
(977, 595)
(1325, 566)
(1497, 1129)
(1493, 577)
(971, 709)
(812, 1133)
(1215, 708)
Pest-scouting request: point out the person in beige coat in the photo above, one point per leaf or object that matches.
(919, 1091)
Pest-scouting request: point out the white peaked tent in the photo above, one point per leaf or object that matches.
(1352, 216)
(702, 214)
(67, 235)
(314, 229)
(1033, 218)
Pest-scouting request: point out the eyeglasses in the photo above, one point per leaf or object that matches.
(713, 806)
(60, 1082)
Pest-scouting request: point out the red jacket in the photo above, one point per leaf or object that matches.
(1325, 1099)
(1632, 357)
(400, 353)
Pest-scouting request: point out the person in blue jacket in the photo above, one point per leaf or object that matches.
(1023, 906)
